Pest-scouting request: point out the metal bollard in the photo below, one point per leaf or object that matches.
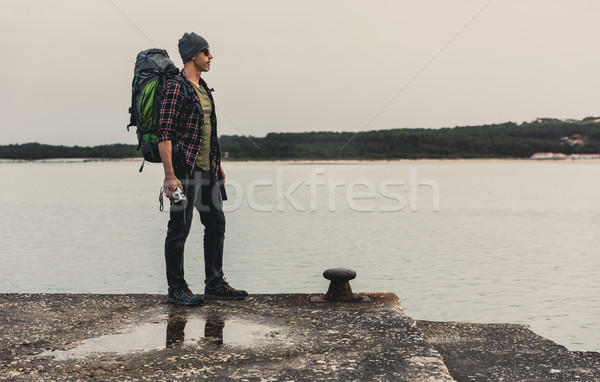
(339, 288)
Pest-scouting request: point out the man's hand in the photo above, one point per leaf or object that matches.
(222, 173)
(170, 184)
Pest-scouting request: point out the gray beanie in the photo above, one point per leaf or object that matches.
(190, 45)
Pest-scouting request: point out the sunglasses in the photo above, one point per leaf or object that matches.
(206, 52)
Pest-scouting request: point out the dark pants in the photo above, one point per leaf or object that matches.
(205, 196)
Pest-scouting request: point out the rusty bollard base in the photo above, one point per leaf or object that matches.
(317, 299)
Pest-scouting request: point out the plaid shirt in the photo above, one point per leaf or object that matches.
(181, 121)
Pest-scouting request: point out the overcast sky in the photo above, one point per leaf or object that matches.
(296, 66)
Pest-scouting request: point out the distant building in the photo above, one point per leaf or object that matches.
(574, 140)
(584, 156)
(556, 156)
(547, 120)
(549, 156)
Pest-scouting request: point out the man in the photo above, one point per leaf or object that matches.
(189, 123)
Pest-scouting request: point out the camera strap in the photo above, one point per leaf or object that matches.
(160, 199)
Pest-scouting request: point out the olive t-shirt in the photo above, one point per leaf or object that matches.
(203, 160)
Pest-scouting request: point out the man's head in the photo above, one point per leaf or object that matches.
(190, 45)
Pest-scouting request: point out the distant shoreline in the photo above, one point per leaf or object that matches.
(543, 138)
(309, 161)
(71, 160)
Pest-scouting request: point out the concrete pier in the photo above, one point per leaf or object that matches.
(265, 338)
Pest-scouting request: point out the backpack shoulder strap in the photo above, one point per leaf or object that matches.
(187, 92)
(184, 86)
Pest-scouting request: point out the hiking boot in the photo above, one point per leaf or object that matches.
(184, 296)
(222, 291)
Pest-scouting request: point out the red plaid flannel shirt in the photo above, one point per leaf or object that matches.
(181, 121)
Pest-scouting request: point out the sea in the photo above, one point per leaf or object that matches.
(513, 241)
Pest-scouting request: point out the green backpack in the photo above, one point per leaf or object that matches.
(153, 69)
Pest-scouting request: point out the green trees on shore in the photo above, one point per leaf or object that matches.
(29, 151)
(507, 140)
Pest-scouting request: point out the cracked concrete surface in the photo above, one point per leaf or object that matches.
(282, 337)
(265, 338)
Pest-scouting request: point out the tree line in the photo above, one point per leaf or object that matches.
(507, 140)
(31, 151)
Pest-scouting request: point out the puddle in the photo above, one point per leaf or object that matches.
(178, 331)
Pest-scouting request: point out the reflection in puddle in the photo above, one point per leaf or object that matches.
(178, 331)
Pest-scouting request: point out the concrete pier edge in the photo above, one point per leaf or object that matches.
(280, 337)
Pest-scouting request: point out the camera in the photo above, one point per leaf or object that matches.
(177, 196)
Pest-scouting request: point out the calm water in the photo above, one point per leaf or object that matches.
(481, 241)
